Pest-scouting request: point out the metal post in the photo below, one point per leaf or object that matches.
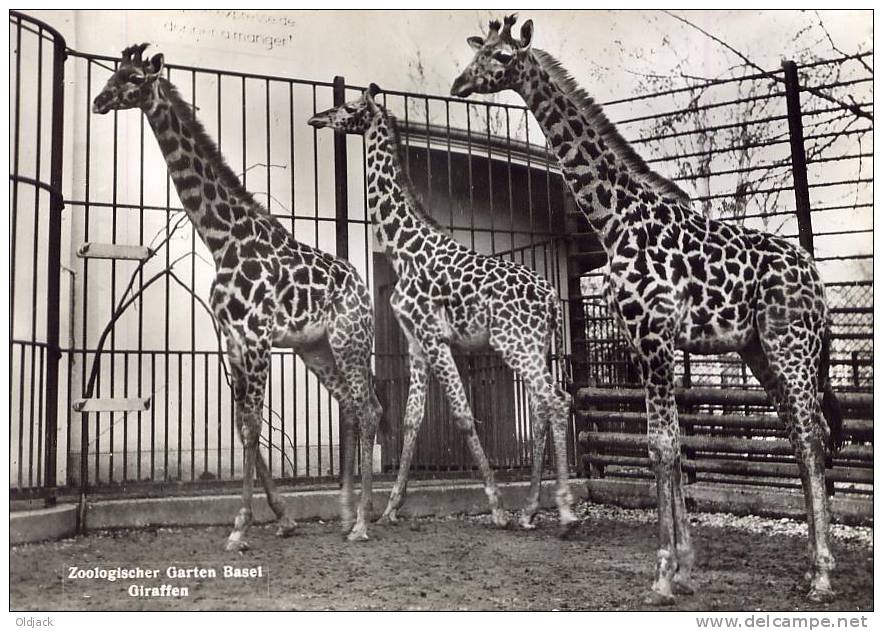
(53, 305)
(341, 206)
(340, 182)
(798, 156)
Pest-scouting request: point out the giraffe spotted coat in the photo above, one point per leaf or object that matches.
(447, 294)
(269, 291)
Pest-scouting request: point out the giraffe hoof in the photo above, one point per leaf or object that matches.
(286, 527)
(388, 518)
(526, 522)
(683, 586)
(817, 595)
(499, 518)
(657, 599)
(360, 534)
(236, 545)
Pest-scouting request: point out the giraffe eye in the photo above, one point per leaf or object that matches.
(503, 57)
(136, 79)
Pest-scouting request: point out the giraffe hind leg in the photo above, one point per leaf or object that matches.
(786, 368)
(351, 350)
(549, 408)
(321, 361)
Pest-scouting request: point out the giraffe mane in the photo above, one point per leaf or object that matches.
(225, 174)
(410, 194)
(620, 146)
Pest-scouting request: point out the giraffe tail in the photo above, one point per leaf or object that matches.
(830, 405)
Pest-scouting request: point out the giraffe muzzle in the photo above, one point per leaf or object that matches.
(319, 120)
(101, 104)
(462, 87)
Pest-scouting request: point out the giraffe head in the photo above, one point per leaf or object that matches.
(132, 84)
(499, 59)
(353, 117)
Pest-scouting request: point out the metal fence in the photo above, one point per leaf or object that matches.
(483, 171)
(474, 164)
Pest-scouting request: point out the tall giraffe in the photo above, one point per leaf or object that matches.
(680, 281)
(445, 295)
(269, 291)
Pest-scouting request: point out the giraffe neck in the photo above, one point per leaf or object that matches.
(211, 194)
(609, 181)
(403, 229)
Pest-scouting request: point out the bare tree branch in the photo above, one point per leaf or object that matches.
(854, 108)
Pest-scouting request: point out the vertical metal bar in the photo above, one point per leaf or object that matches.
(341, 207)
(14, 197)
(291, 206)
(53, 305)
(193, 320)
(798, 156)
(140, 296)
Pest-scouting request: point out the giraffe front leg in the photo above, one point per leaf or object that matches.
(250, 361)
(414, 411)
(249, 436)
(559, 410)
(682, 582)
(442, 362)
(663, 434)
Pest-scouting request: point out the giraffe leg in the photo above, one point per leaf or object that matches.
(539, 422)
(250, 364)
(414, 410)
(664, 448)
(286, 524)
(550, 407)
(321, 361)
(352, 355)
(442, 362)
(791, 371)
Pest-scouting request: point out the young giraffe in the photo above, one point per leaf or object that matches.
(447, 294)
(269, 291)
(678, 280)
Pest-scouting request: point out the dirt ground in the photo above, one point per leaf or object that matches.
(431, 564)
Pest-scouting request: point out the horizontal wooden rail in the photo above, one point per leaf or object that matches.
(857, 429)
(595, 440)
(587, 396)
(739, 467)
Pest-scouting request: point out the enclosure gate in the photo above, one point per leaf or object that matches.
(126, 372)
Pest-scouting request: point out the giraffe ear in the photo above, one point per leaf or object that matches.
(153, 67)
(475, 41)
(526, 34)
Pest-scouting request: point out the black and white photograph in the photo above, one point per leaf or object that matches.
(466, 310)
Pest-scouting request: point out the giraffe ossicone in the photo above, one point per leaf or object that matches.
(270, 291)
(679, 281)
(447, 294)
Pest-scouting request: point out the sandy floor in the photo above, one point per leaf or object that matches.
(453, 563)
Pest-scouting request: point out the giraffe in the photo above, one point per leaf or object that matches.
(680, 281)
(447, 294)
(269, 291)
